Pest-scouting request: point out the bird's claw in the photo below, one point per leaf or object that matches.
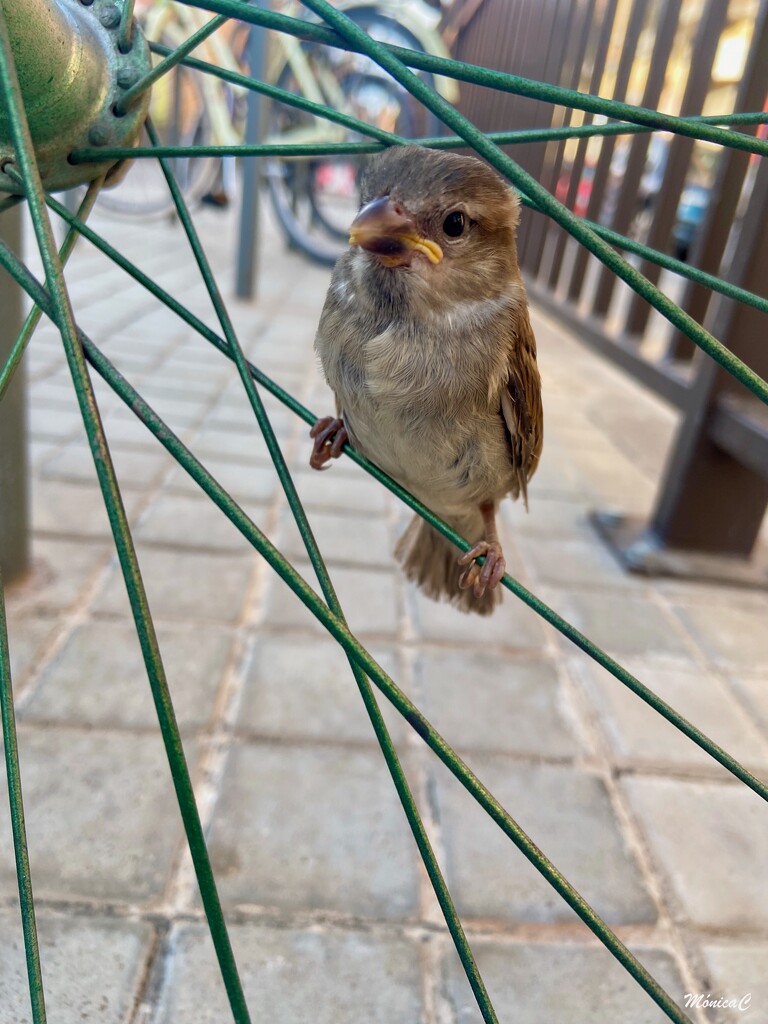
(487, 576)
(330, 436)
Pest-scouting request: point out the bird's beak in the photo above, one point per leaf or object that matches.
(385, 229)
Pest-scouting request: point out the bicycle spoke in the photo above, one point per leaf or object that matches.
(28, 329)
(547, 202)
(131, 95)
(386, 745)
(58, 307)
(340, 631)
(536, 604)
(125, 35)
(18, 826)
(476, 75)
(283, 96)
(444, 141)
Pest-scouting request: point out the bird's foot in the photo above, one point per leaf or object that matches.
(482, 577)
(330, 436)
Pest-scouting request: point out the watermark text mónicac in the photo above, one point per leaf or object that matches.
(702, 1001)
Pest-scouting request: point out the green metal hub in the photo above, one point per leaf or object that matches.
(72, 73)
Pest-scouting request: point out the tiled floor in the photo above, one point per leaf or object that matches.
(332, 917)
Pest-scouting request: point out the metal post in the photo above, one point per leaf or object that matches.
(627, 205)
(637, 19)
(565, 28)
(14, 499)
(596, 57)
(679, 155)
(248, 239)
(711, 245)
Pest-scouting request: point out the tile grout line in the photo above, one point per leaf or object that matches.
(657, 885)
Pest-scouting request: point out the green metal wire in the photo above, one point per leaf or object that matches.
(423, 844)
(662, 259)
(125, 34)
(289, 98)
(542, 609)
(546, 202)
(336, 625)
(338, 628)
(614, 238)
(19, 346)
(62, 315)
(18, 826)
(130, 96)
(54, 302)
(443, 141)
(475, 75)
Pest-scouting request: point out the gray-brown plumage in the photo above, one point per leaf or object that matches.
(426, 342)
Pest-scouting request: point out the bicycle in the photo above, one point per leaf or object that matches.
(314, 200)
(187, 109)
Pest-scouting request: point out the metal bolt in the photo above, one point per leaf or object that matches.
(127, 76)
(110, 16)
(98, 135)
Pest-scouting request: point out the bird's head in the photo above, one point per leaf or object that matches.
(445, 219)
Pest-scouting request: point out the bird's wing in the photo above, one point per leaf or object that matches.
(521, 405)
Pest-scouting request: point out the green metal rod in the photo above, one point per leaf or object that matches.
(318, 149)
(717, 284)
(338, 629)
(423, 844)
(289, 98)
(614, 238)
(125, 35)
(443, 141)
(60, 310)
(130, 96)
(476, 75)
(20, 345)
(533, 602)
(18, 826)
(546, 202)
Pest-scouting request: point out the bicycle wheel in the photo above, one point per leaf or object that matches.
(180, 117)
(315, 200)
(268, 770)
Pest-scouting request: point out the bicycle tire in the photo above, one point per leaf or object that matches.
(292, 186)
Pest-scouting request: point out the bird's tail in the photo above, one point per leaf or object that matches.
(431, 561)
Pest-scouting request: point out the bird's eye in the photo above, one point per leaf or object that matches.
(454, 224)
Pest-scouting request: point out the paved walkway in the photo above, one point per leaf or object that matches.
(331, 915)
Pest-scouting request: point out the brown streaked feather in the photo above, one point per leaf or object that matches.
(521, 405)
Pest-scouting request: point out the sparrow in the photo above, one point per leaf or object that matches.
(426, 342)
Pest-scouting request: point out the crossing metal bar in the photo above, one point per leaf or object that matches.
(62, 315)
(476, 75)
(338, 628)
(235, 353)
(542, 609)
(18, 824)
(53, 300)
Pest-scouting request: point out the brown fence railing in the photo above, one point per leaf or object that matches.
(704, 206)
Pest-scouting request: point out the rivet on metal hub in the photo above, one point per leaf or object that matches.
(71, 74)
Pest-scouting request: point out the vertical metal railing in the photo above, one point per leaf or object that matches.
(713, 494)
